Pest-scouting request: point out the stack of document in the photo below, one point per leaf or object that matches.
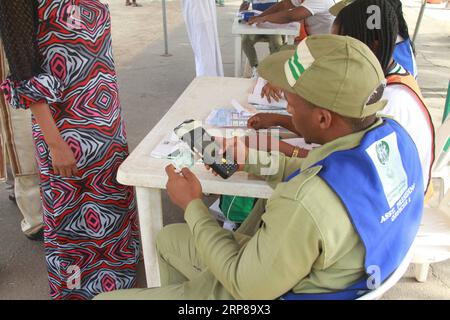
(227, 117)
(167, 147)
(294, 26)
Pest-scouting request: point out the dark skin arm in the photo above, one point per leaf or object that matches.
(183, 187)
(280, 6)
(292, 15)
(63, 159)
(267, 120)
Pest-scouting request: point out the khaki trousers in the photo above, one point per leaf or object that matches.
(16, 145)
(249, 41)
(183, 274)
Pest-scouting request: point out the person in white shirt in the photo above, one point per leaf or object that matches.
(405, 102)
(313, 13)
(201, 23)
(249, 40)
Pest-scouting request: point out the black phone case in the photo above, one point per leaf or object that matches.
(224, 170)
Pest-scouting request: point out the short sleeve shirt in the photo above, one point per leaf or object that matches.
(321, 19)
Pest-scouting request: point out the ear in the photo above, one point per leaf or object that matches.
(324, 118)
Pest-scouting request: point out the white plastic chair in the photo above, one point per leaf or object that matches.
(440, 169)
(392, 280)
(433, 239)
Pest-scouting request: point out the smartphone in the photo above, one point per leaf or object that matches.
(200, 142)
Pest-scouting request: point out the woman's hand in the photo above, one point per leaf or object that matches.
(63, 159)
(271, 92)
(261, 121)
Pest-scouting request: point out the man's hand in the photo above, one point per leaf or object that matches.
(256, 20)
(270, 92)
(244, 6)
(261, 121)
(182, 188)
(63, 159)
(237, 147)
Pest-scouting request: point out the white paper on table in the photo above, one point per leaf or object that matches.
(227, 117)
(294, 26)
(255, 96)
(169, 144)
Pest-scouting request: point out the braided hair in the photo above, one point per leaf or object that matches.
(402, 26)
(353, 21)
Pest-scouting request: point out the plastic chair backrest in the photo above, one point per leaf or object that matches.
(444, 205)
(441, 142)
(392, 280)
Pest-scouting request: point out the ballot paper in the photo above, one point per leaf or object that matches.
(167, 147)
(294, 26)
(255, 97)
(229, 117)
(175, 150)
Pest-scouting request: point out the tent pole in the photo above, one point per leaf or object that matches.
(166, 42)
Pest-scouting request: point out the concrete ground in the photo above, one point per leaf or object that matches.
(150, 84)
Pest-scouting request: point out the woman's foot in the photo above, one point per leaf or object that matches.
(127, 3)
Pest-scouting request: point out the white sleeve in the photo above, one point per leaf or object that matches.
(313, 6)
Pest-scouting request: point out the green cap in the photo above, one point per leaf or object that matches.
(335, 9)
(337, 73)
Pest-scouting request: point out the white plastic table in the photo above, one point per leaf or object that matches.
(147, 174)
(240, 29)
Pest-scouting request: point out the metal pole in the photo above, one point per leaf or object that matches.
(419, 20)
(447, 104)
(166, 42)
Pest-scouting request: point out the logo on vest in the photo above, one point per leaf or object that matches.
(387, 160)
(382, 149)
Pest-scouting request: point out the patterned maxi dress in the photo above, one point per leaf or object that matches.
(91, 234)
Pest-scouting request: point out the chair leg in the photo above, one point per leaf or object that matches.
(421, 271)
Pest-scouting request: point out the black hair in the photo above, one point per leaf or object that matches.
(353, 21)
(402, 25)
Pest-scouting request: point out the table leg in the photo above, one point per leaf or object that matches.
(150, 221)
(237, 56)
(290, 39)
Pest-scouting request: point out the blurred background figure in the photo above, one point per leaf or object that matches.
(132, 3)
(16, 145)
(201, 23)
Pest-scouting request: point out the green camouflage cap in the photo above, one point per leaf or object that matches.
(337, 73)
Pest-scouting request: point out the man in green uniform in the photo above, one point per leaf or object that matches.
(302, 240)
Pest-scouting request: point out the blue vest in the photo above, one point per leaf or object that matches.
(404, 55)
(262, 5)
(380, 183)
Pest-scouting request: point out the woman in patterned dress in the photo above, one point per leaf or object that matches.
(62, 68)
